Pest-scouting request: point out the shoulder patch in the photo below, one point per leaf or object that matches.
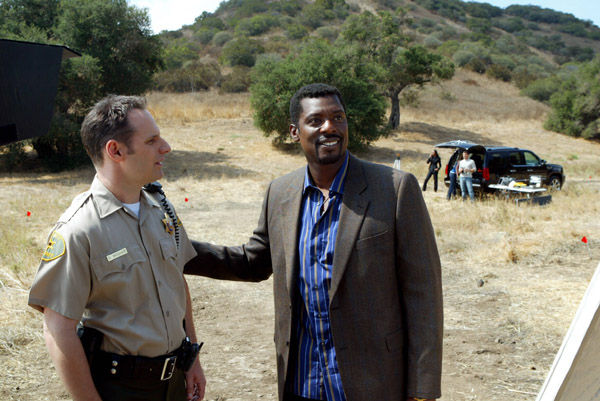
(56, 247)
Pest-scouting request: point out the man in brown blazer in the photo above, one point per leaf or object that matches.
(356, 271)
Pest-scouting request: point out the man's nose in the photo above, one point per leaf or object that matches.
(328, 125)
(165, 147)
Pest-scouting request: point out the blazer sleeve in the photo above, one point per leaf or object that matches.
(249, 262)
(420, 282)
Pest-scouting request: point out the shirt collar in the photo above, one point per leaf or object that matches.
(107, 203)
(337, 186)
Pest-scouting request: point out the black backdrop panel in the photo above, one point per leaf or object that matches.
(28, 84)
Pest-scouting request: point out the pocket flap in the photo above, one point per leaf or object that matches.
(168, 248)
(118, 260)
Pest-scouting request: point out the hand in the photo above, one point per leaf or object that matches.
(195, 382)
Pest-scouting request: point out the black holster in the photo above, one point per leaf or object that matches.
(91, 341)
(187, 354)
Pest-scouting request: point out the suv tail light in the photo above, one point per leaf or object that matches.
(486, 173)
(447, 168)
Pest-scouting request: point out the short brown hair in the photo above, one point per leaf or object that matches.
(108, 120)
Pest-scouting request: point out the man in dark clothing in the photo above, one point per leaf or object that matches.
(435, 163)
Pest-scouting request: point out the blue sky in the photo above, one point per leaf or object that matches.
(173, 14)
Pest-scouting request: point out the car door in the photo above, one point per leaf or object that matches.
(516, 166)
(533, 167)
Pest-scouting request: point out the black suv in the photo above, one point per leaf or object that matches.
(494, 162)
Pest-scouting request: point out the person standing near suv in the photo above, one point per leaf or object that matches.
(435, 163)
(466, 168)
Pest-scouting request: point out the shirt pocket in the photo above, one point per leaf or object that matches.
(105, 265)
(172, 271)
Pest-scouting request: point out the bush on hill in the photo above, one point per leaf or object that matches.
(275, 81)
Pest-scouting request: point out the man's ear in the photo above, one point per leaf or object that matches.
(115, 150)
(294, 133)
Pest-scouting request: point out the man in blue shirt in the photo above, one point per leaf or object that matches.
(356, 272)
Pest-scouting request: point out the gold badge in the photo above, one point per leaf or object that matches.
(56, 247)
(169, 227)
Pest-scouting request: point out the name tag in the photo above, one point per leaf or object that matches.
(117, 254)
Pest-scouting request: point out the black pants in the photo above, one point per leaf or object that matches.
(113, 388)
(429, 174)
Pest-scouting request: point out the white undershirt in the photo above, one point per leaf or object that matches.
(134, 207)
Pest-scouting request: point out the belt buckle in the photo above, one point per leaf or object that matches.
(168, 368)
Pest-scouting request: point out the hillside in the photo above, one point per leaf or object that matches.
(517, 43)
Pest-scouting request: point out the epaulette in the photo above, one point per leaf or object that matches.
(77, 203)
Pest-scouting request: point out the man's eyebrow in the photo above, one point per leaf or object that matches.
(319, 113)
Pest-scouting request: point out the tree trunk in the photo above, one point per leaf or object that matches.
(394, 121)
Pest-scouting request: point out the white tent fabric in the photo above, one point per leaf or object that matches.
(575, 373)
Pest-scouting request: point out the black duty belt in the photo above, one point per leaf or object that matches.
(136, 367)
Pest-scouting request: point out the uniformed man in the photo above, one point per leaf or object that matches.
(114, 264)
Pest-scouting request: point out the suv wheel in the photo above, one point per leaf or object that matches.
(554, 183)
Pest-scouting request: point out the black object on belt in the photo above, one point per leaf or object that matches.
(136, 367)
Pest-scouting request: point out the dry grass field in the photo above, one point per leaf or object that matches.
(513, 276)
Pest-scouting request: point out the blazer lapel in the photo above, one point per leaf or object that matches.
(354, 206)
(290, 215)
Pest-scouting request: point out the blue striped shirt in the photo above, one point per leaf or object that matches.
(316, 374)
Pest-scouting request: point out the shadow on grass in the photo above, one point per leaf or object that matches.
(202, 166)
(434, 134)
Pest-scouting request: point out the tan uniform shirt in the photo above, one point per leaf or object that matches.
(118, 273)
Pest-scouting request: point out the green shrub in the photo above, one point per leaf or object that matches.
(327, 32)
(542, 89)
(522, 77)
(204, 35)
(178, 53)
(196, 76)
(236, 81)
(296, 31)
(256, 25)
(463, 57)
(242, 51)
(12, 156)
(61, 148)
(448, 33)
(277, 45)
(221, 38)
(479, 25)
(432, 42)
(498, 72)
(504, 61)
(275, 81)
(476, 65)
(449, 48)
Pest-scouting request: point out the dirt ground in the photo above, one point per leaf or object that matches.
(494, 347)
(503, 321)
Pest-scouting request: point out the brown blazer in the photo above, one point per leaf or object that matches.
(386, 290)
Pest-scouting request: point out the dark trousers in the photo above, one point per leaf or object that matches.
(452, 189)
(429, 174)
(113, 388)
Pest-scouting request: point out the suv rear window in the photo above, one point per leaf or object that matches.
(495, 161)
